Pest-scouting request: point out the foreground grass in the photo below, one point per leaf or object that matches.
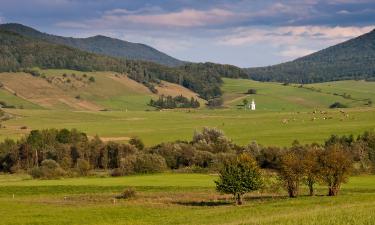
(174, 199)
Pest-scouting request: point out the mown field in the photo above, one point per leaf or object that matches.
(175, 199)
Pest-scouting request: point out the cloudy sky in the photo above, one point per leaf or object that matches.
(245, 33)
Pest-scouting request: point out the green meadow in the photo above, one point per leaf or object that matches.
(284, 112)
(175, 199)
(268, 128)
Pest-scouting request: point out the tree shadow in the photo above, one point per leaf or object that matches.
(265, 197)
(203, 203)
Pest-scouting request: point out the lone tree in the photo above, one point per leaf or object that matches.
(336, 165)
(239, 177)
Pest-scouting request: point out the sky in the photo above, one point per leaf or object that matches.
(246, 33)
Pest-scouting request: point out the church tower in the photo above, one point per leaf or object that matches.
(253, 105)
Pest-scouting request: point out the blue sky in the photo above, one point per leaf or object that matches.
(245, 33)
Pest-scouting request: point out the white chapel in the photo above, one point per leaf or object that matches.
(252, 105)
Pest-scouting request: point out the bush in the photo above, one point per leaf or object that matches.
(92, 79)
(251, 91)
(117, 172)
(49, 169)
(337, 105)
(127, 193)
(137, 142)
(215, 102)
(149, 163)
(83, 167)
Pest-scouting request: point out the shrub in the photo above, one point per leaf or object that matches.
(127, 193)
(215, 102)
(49, 169)
(337, 105)
(83, 167)
(117, 172)
(149, 163)
(251, 91)
(92, 79)
(137, 142)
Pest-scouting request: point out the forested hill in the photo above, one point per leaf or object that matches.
(18, 52)
(100, 45)
(353, 59)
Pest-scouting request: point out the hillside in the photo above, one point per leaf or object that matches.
(271, 96)
(353, 59)
(18, 52)
(99, 44)
(73, 90)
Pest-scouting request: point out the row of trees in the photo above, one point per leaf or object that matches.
(330, 166)
(73, 153)
(169, 102)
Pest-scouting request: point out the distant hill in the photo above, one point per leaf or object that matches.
(18, 52)
(353, 59)
(100, 45)
(73, 90)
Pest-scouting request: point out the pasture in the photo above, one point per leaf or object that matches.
(174, 199)
(284, 112)
(267, 128)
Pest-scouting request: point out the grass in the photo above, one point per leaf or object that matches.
(268, 128)
(277, 97)
(174, 199)
(284, 113)
(13, 100)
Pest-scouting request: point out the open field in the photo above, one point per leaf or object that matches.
(278, 97)
(174, 199)
(284, 113)
(268, 128)
(73, 90)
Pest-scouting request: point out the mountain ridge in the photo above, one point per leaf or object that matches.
(352, 59)
(99, 44)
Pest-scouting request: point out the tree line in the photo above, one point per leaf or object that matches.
(170, 102)
(53, 153)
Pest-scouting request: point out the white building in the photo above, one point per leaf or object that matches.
(252, 106)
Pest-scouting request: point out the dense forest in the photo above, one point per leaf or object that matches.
(99, 45)
(18, 52)
(353, 59)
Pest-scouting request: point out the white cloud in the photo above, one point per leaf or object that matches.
(291, 34)
(74, 25)
(152, 17)
(295, 52)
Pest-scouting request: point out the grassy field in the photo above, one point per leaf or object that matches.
(175, 199)
(15, 101)
(278, 97)
(284, 113)
(269, 128)
(72, 90)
